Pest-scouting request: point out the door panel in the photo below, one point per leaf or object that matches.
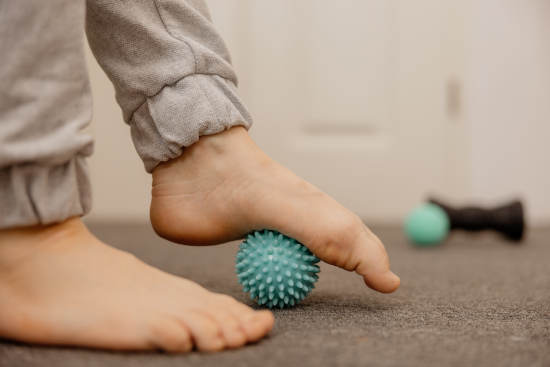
(352, 95)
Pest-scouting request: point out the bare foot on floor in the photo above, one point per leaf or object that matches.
(224, 186)
(60, 285)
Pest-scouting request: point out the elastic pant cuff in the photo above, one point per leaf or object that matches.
(179, 114)
(33, 194)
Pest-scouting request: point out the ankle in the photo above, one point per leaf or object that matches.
(216, 152)
(19, 243)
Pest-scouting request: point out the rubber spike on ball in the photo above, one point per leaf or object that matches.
(275, 270)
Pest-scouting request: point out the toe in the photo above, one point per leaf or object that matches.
(233, 334)
(254, 324)
(205, 331)
(372, 262)
(258, 324)
(229, 324)
(346, 242)
(171, 336)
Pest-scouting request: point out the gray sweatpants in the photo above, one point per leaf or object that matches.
(173, 81)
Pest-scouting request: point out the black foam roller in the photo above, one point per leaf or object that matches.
(507, 219)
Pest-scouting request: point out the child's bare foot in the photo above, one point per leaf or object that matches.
(224, 186)
(60, 285)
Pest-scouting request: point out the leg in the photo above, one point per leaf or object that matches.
(175, 83)
(51, 291)
(44, 106)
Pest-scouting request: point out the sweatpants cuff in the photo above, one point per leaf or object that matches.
(32, 194)
(175, 118)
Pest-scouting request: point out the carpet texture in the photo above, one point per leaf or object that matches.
(475, 301)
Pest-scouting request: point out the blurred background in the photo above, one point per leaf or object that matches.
(377, 102)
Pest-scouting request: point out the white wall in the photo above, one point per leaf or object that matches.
(120, 185)
(509, 102)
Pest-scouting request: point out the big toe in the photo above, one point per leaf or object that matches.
(255, 324)
(372, 262)
(343, 240)
(240, 323)
(386, 282)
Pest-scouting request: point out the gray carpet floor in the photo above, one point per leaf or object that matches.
(475, 301)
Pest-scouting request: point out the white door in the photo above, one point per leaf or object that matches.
(362, 98)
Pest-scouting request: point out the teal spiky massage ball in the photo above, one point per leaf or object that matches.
(275, 270)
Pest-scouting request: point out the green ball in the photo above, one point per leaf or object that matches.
(427, 225)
